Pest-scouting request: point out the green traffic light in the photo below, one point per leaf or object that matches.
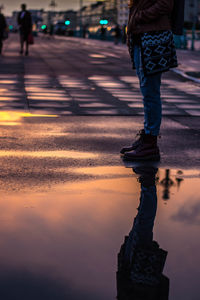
(44, 27)
(103, 22)
(67, 22)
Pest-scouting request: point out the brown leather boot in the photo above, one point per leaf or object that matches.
(141, 134)
(147, 150)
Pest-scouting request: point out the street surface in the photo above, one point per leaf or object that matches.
(73, 78)
(67, 199)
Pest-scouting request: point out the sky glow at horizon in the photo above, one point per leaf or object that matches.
(11, 5)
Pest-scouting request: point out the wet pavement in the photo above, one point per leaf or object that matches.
(72, 77)
(68, 200)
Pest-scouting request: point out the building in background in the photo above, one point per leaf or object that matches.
(88, 17)
(90, 20)
(93, 17)
(67, 17)
(110, 11)
(122, 12)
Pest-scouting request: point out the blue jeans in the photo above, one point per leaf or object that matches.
(150, 89)
(142, 231)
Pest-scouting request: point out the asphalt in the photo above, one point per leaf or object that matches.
(67, 198)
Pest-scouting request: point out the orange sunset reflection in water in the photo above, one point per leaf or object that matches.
(68, 229)
(72, 233)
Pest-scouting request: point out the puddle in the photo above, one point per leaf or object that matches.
(13, 118)
(49, 154)
(97, 56)
(63, 243)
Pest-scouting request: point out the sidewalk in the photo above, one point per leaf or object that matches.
(189, 66)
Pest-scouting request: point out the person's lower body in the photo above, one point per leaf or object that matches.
(142, 230)
(24, 40)
(145, 148)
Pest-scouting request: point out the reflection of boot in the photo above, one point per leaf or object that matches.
(147, 175)
(147, 150)
(141, 134)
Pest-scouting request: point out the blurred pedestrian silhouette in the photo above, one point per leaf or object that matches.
(25, 28)
(124, 35)
(103, 33)
(84, 31)
(51, 29)
(3, 30)
(117, 32)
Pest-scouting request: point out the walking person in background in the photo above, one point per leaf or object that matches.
(117, 32)
(124, 37)
(3, 28)
(152, 50)
(103, 32)
(25, 28)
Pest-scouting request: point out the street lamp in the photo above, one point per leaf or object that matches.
(53, 4)
(51, 14)
(81, 7)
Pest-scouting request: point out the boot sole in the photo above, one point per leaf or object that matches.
(127, 150)
(134, 164)
(150, 158)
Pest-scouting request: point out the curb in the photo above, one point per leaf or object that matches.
(183, 74)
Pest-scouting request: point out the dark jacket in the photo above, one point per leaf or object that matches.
(25, 23)
(154, 15)
(150, 15)
(3, 25)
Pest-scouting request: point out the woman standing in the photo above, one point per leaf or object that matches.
(3, 27)
(151, 47)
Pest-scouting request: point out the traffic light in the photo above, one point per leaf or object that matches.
(103, 22)
(43, 27)
(67, 22)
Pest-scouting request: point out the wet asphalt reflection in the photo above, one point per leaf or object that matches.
(68, 200)
(64, 214)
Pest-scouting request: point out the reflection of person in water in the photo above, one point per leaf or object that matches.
(141, 261)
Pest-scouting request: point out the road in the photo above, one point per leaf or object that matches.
(67, 200)
(69, 77)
